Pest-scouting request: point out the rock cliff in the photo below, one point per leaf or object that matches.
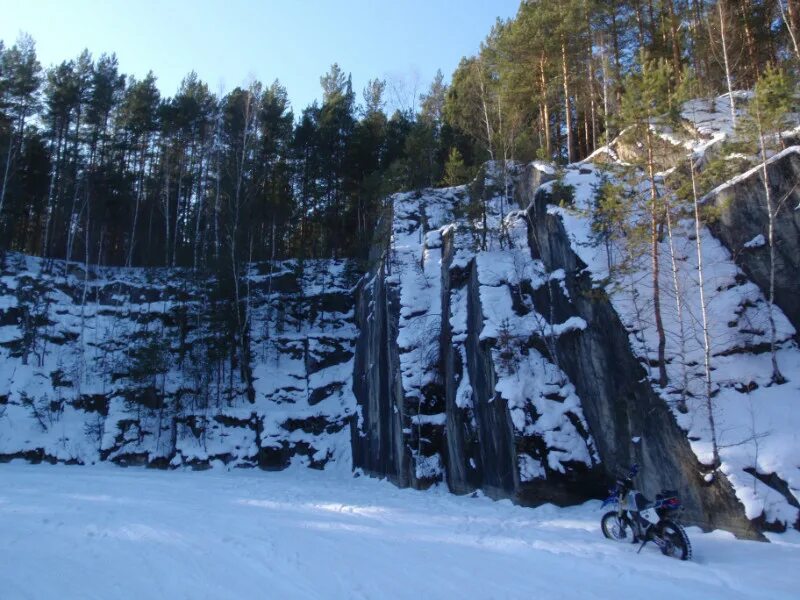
(743, 226)
(487, 359)
(156, 367)
(485, 348)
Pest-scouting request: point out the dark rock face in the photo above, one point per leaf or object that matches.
(457, 425)
(478, 445)
(744, 215)
(479, 439)
(630, 423)
(494, 432)
(461, 442)
(376, 429)
(528, 179)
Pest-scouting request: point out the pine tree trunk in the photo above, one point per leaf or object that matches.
(615, 38)
(5, 174)
(543, 83)
(167, 178)
(199, 211)
(7, 170)
(639, 24)
(591, 141)
(10, 155)
(139, 192)
(70, 227)
(52, 193)
(567, 103)
(752, 51)
(606, 125)
(651, 13)
(790, 27)
(217, 208)
(178, 206)
(793, 6)
(676, 43)
(695, 27)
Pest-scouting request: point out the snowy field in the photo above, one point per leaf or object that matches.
(106, 532)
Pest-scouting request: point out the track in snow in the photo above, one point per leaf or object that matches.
(106, 532)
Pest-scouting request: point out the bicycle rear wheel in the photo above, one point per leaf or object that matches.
(677, 543)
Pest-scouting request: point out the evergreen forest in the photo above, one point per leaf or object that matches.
(104, 168)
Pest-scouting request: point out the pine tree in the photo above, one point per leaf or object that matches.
(608, 216)
(471, 103)
(275, 205)
(139, 115)
(647, 99)
(455, 172)
(20, 77)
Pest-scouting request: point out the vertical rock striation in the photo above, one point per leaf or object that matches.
(477, 400)
(487, 359)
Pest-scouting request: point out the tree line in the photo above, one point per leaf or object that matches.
(100, 167)
(550, 82)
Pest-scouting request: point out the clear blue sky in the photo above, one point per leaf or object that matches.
(229, 42)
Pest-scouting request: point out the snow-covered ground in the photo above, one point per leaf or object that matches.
(105, 532)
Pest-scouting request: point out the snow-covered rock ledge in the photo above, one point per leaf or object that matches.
(756, 421)
(144, 366)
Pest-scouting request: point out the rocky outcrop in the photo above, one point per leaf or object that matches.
(477, 351)
(743, 226)
(153, 367)
(377, 430)
(544, 399)
(630, 422)
(453, 379)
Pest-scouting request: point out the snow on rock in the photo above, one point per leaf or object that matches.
(742, 218)
(756, 242)
(756, 421)
(702, 126)
(754, 171)
(144, 366)
(480, 402)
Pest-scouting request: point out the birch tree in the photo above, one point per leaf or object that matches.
(769, 110)
(707, 366)
(724, 27)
